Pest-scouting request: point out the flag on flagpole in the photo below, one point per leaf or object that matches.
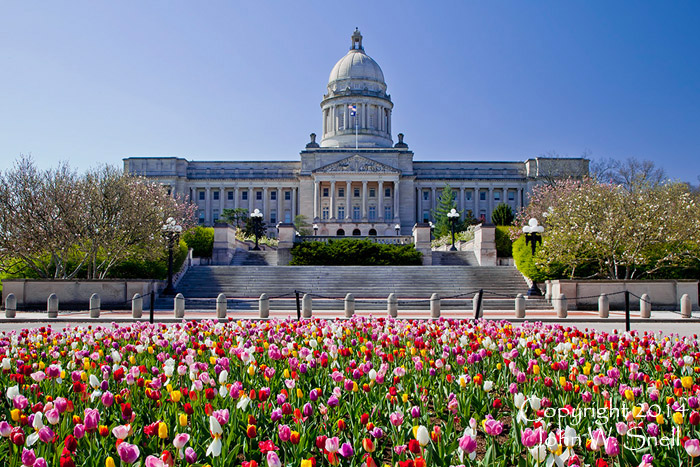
(353, 110)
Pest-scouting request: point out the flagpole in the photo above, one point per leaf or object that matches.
(355, 130)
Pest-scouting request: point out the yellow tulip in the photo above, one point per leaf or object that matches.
(499, 366)
(169, 388)
(176, 396)
(84, 376)
(109, 462)
(150, 349)
(678, 418)
(660, 419)
(251, 370)
(42, 365)
(636, 410)
(300, 393)
(687, 382)
(629, 395)
(306, 463)
(183, 419)
(404, 398)
(285, 373)
(162, 430)
(14, 413)
(535, 369)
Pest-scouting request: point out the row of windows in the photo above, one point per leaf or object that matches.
(356, 192)
(482, 195)
(356, 215)
(244, 195)
(273, 216)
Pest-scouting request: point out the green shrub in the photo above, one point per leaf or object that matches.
(140, 269)
(349, 252)
(201, 240)
(504, 245)
(502, 215)
(524, 261)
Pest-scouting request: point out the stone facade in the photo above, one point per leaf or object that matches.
(356, 181)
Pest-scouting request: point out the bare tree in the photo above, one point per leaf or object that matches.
(631, 173)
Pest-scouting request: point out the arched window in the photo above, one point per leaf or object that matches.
(341, 121)
(372, 233)
(340, 233)
(356, 232)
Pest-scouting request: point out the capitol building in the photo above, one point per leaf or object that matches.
(356, 180)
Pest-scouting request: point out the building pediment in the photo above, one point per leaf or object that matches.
(357, 164)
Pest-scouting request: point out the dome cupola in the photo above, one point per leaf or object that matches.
(356, 109)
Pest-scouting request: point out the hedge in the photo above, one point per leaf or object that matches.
(201, 240)
(139, 269)
(522, 254)
(504, 245)
(349, 252)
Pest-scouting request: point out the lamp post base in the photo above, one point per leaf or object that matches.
(169, 290)
(453, 248)
(534, 291)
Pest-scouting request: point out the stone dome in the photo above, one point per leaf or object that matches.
(356, 64)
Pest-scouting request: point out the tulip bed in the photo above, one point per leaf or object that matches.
(359, 392)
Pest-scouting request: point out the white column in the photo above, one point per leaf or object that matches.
(317, 188)
(280, 209)
(519, 201)
(235, 198)
(331, 214)
(488, 216)
(461, 203)
(433, 199)
(266, 204)
(346, 120)
(419, 200)
(348, 207)
(364, 200)
(207, 206)
(396, 201)
(380, 200)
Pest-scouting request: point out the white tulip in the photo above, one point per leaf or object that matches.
(422, 436)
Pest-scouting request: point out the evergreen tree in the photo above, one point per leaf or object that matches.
(502, 215)
(445, 204)
(235, 217)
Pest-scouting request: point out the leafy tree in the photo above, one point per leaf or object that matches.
(446, 203)
(302, 225)
(201, 240)
(236, 217)
(253, 226)
(502, 215)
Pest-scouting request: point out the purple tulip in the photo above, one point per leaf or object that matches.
(190, 455)
(79, 431)
(46, 434)
(377, 432)
(92, 419)
(61, 404)
(40, 462)
(273, 460)
(276, 415)
(28, 457)
(5, 429)
(128, 453)
(107, 399)
(415, 411)
(308, 410)
(333, 401)
(284, 433)
(346, 450)
(467, 444)
(612, 447)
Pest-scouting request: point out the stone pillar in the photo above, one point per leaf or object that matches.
(433, 199)
(364, 200)
(221, 306)
(461, 204)
(562, 306)
(222, 201)
(397, 218)
(266, 204)
(686, 306)
(52, 306)
(10, 306)
(280, 206)
(137, 306)
(317, 189)
(294, 203)
(179, 306)
(490, 213)
(645, 306)
(349, 305)
(485, 245)
(603, 306)
(419, 200)
(285, 236)
(235, 198)
(548, 293)
(207, 206)
(392, 305)
(421, 242)
(475, 303)
(94, 306)
(264, 306)
(380, 200)
(519, 306)
(306, 310)
(520, 198)
(348, 205)
(435, 306)
(331, 208)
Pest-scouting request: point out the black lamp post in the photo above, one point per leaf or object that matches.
(533, 236)
(315, 229)
(397, 227)
(171, 231)
(257, 223)
(453, 215)
(432, 227)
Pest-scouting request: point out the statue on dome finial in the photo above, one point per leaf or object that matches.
(356, 40)
(313, 143)
(400, 144)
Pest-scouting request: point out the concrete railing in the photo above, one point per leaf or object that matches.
(383, 239)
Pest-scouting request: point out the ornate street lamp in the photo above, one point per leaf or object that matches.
(397, 227)
(453, 215)
(257, 223)
(315, 229)
(432, 227)
(171, 231)
(533, 236)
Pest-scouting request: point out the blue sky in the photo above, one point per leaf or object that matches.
(93, 82)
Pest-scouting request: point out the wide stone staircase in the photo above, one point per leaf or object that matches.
(413, 285)
(254, 258)
(454, 258)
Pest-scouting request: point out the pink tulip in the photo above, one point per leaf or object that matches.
(107, 399)
(396, 418)
(153, 461)
(612, 447)
(492, 427)
(467, 444)
(92, 419)
(52, 416)
(121, 431)
(332, 444)
(273, 460)
(128, 453)
(28, 457)
(46, 434)
(284, 433)
(5, 429)
(692, 447)
(222, 416)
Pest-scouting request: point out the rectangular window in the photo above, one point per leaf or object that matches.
(229, 194)
(357, 193)
(341, 212)
(244, 195)
(426, 216)
(325, 214)
(497, 195)
(387, 192)
(273, 217)
(216, 215)
(372, 193)
(201, 195)
(287, 195)
(372, 213)
(287, 216)
(341, 192)
(426, 195)
(201, 216)
(482, 195)
(356, 213)
(325, 192)
(469, 195)
(387, 213)
(273, 195)
(511, 195)
(216, 195)
(258, 195)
